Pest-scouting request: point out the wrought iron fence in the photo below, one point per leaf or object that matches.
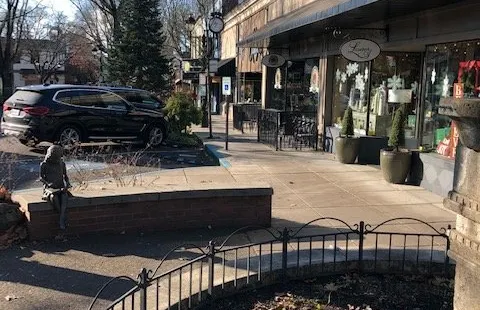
(288, 129)
(245, 116)
(220, 269)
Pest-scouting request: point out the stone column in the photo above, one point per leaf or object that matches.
(464, 199)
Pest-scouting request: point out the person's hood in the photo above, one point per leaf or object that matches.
(54, 154)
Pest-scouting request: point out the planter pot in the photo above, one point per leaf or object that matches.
(346, 149)
(395, 165)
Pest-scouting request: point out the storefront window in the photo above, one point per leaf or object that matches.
(395, 82)
(251, 87)
(351, 89)
(448, 65)
(302, 86)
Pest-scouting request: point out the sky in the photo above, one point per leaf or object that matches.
(64, 6)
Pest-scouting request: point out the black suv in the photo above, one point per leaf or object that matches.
(138, 97)
(69, 114)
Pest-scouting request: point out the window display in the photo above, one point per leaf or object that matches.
(350, 90)
(301, 93)
(448, 66)
(395, 83)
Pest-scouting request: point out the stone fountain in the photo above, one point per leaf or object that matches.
(464, 199)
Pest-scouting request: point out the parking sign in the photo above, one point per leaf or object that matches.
(226, 86)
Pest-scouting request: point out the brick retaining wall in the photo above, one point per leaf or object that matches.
(165, 210)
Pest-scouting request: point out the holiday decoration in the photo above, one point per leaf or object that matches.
(352, 68)
(396, 82)
(434, 76)
(338, 75)
(445, 86)
(359, 82)
(414, 87)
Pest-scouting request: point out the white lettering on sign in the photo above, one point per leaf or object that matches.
(360, 50)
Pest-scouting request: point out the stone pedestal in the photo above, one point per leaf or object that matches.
(464, 199)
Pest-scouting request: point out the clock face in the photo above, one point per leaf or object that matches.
(216, 25)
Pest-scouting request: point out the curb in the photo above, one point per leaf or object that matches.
(218, 157)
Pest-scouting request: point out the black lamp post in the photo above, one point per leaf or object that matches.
(190, 22)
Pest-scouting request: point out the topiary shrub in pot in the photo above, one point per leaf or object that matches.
(394, 161)
(347, 145)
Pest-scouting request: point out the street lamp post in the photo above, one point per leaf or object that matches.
(214, 25)
(190, 22)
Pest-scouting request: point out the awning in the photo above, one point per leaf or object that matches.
(226, 67)
(321, 14)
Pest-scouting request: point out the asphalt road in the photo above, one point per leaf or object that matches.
(19, 164)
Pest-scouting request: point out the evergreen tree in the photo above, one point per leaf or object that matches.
(136, 58)
(347, 123)
(397, 134)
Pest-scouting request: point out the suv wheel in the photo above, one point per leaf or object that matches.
(69, 136)
(155, 136)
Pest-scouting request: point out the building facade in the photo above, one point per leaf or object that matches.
(429, 50)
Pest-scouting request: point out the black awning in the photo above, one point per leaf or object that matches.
(319, 15)
(226, 67)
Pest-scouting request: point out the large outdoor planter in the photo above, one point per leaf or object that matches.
(395, 165)
(346, 149)
(464, 199)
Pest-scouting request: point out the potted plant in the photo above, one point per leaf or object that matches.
(346, 145)
(394, 161)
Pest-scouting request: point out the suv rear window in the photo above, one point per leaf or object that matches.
(139, 97)
(25, 97)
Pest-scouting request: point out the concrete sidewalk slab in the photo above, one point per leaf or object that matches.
(314, 184)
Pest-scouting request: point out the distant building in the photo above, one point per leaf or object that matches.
(39, 61)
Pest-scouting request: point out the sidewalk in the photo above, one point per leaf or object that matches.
(308, 185)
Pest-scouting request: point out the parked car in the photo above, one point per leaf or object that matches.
(138, 97)
(68, 114)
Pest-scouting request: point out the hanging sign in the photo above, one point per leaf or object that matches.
(226, 86)
(273, 61)
(360, 50)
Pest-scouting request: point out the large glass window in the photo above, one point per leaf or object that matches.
(395, 79)
(302, 86)
(351, 89)
(447, 65)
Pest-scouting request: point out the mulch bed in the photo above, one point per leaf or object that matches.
(352, 292)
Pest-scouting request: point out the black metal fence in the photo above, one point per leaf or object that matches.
(288, 129)
(245, 116)
(223, 268)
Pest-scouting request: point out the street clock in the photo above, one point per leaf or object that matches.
(216, 24)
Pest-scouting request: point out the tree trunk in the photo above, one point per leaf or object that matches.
(7, 83)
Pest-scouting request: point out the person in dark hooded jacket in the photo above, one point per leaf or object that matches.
(53, 174)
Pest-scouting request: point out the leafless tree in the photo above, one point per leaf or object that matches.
(99, 20)
(13, 14)
(47, 42)
(175, 14)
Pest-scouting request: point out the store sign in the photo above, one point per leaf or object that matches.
(360, 50)
(226, 86)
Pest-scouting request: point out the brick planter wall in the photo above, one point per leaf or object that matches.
(172, 209)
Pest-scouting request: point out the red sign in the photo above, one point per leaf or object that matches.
(458, 90)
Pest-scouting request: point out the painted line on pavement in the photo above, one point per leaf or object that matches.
(222, 161)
